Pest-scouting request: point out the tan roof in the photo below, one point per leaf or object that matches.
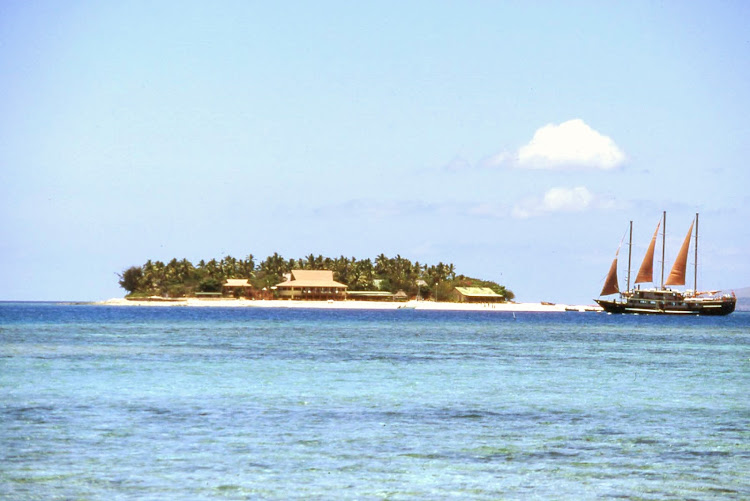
(477, 292)
(237, 282)
(311, 278)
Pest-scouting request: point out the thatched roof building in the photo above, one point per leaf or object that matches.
(311, 284)
(236, 286)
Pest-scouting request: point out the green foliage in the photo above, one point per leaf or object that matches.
(181, 278)
(130, 279)
(176, 290)
(443, 290)
(209, 284)
(462, 281)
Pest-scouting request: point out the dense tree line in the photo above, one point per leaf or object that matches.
(182, 278)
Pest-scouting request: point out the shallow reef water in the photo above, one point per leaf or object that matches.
(101, 402)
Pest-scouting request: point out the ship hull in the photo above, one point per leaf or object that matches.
(673, 306)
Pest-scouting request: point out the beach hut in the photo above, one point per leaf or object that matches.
(237, 287)
(476, 295)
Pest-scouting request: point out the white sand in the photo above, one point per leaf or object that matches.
(356, 305)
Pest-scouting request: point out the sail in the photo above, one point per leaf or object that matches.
(610, 283)
(646, 271)
(677, 275)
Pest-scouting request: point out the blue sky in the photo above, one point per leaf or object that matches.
(513, 139)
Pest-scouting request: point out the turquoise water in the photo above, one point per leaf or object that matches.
(200, 403)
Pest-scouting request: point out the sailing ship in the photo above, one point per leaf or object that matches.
(663, 300)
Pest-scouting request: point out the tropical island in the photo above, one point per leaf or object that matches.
(312, 278)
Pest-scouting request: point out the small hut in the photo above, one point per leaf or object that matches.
(237, 287)
(476, 295)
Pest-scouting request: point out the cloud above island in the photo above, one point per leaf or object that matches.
(560, 199)
(572, 144)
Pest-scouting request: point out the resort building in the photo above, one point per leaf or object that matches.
(311, 284)
(476, 295)
(237, 287)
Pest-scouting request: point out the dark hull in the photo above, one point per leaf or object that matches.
(719, 306)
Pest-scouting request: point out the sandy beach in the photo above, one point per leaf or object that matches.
(353, 305)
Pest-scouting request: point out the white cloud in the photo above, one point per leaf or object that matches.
(572, 144)
(559, 200)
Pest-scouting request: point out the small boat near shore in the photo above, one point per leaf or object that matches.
(663, 300)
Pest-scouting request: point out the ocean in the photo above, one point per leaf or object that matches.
(126, 403)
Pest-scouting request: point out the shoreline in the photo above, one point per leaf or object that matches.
(353, 305)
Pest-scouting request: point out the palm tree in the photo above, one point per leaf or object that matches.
(158, 280)
(382, 265)
(149, 278)
(273, 268)
(341, 269)
(451, 272)
(246, 267)
(213, 269)
(185, 269)
(310, 262)
(362, 275)
(228, 266)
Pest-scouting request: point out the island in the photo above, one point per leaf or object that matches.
(312, 278)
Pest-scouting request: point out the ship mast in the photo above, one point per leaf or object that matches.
(663, 242)
(695, 286)
(630, 252)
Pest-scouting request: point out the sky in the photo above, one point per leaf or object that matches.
(516, 140)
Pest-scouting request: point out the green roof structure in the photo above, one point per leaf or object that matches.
(477, 294)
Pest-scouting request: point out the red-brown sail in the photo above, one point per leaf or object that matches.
(677, 275)
(610, 283)
(646, 271)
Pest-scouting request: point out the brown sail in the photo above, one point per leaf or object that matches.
(610, 283)
(646, 271)
(677, 275)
